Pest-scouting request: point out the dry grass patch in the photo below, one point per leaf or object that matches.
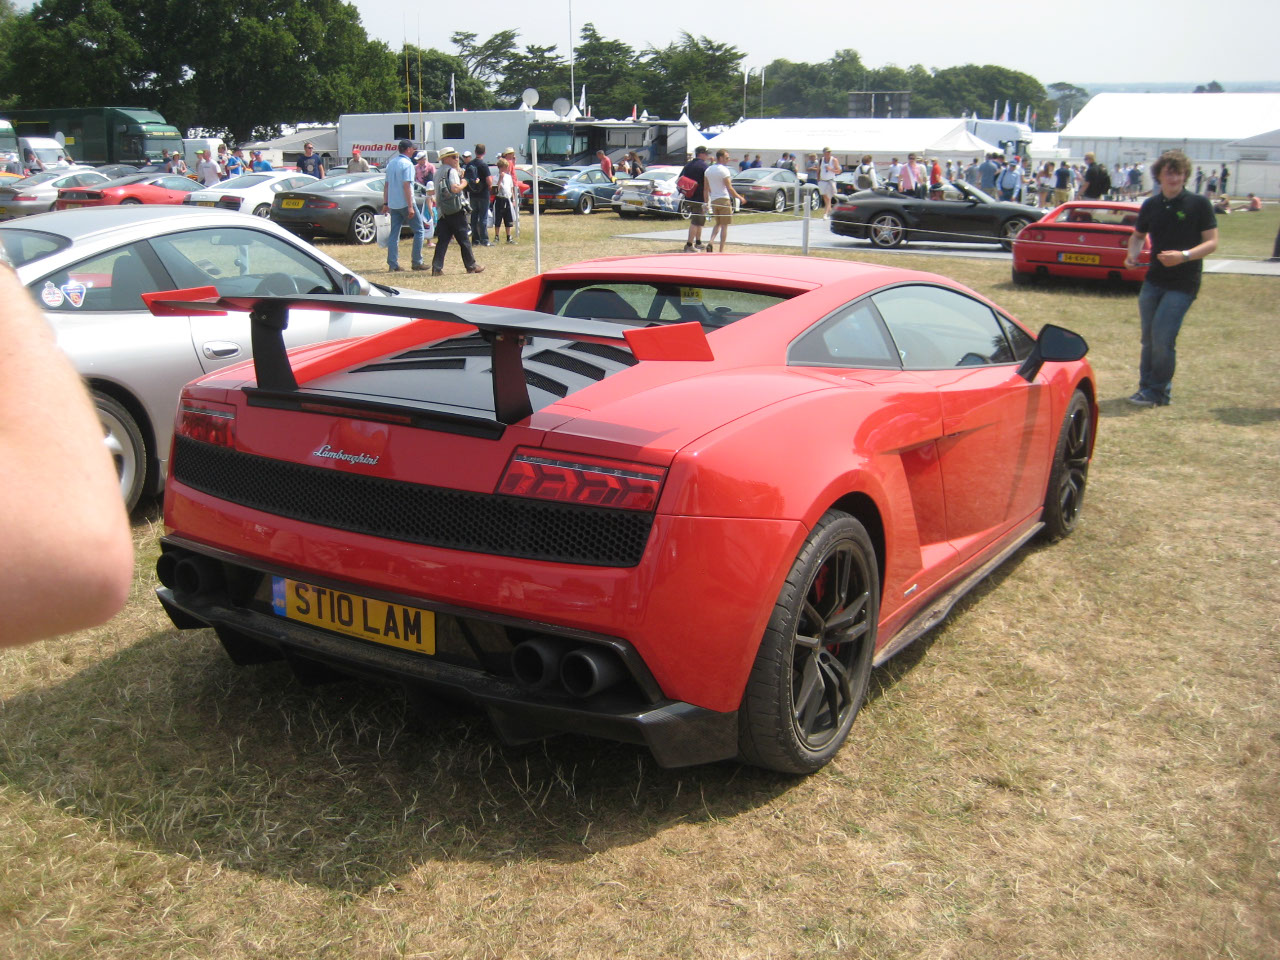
(1081, 762)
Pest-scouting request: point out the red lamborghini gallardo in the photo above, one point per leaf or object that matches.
(683, 501)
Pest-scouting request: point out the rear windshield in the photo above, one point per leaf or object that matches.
(649, 303)
(1116, 216)
(19, 246)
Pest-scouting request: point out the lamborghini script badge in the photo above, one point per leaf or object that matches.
(328, 453)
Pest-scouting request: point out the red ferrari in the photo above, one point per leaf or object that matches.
(682, 501)
(135, 188)
(1087, 239)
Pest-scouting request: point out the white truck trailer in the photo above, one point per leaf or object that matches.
(375, 135)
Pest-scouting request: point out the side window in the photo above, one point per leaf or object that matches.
(851, 337)
(935, 328)
(110, 281)
(786, 176)
(1021, 341)
(240, 262)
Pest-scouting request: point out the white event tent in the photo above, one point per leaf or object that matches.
(1138, 127)
(849, 139)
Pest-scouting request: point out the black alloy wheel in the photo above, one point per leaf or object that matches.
(1065, 496)
(813, 667)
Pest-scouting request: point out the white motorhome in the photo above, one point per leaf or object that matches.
(375, 135)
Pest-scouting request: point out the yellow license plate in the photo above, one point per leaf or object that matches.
(635, 203)
(206, 203)
(1088, 258)
(291, 204)
(393, 624)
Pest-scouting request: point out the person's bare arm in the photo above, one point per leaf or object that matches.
(66, 551)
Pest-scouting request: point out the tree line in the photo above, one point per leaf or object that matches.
(244, 69)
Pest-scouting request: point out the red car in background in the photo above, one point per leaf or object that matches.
(135, 188)
(1087, 239)
(681, 501)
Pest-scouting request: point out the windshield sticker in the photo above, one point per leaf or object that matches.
(74, 292)
(690, 295)
(51, 295)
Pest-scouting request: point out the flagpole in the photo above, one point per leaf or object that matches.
(572, 86)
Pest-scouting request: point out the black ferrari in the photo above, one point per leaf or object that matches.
(956, 212)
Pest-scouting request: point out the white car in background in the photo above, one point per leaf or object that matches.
(250, 192)
(88, 269)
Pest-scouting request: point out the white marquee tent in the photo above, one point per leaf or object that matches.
(1128, 127)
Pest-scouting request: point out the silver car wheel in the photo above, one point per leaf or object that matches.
(364, 229)
(124, 443)
(886, 230)
(262, 210)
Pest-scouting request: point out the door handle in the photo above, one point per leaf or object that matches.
(221, 349)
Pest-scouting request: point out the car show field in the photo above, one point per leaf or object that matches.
(1079, 761)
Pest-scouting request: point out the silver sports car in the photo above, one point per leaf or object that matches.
(88, 270)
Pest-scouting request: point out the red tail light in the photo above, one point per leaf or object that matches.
(234, 202)
(1035, 234)
(589, 481)
(207, 422)
(25, 196)
(321, 204)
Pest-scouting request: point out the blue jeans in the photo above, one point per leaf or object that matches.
(1162, 312)
(399, 217)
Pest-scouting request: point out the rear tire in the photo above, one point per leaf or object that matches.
(130, 201)
(1021, 279)
(813, 667)
(125, 444)
(886, 231)
(363, 228)
(262, 210)
(586, 203)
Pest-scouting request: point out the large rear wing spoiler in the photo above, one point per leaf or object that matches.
(505, 329)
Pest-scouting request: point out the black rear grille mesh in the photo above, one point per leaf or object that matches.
(396, 510)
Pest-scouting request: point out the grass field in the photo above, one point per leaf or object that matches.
(1081, 762)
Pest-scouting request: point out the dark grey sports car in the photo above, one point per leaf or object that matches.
(343, 205)
(961, 214)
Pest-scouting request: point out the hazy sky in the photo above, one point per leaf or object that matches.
(1126, 41)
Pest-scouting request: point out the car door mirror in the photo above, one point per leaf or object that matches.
(353, 286)
(1054, 345)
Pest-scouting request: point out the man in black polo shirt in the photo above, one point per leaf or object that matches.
(1183, 231)
(696, 202)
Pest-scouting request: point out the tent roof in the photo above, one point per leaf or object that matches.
(324, 138)
(1176, 116)
(852, 136)
(1270, 138)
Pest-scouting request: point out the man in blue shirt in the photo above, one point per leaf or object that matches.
(309, 162)
(397, 200)
(988, 170)
(260, 165)
(235, 163)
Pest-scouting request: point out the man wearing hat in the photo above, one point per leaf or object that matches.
(451, 200)
(207, 170)
(260, 165)
(397, 200)
(357, 163)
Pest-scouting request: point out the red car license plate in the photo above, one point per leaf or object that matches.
(1085, 258)
(393, 624)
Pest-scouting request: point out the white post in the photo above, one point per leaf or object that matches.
(537, 223)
